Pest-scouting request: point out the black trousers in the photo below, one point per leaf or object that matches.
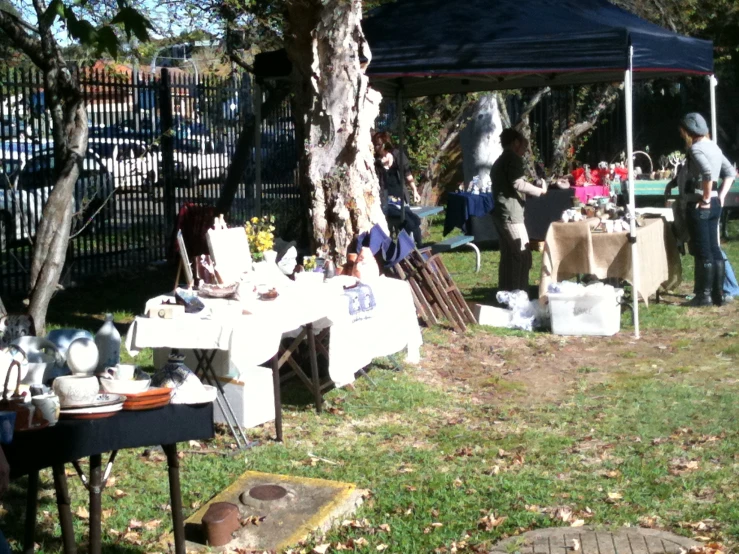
(515, 259)
(404, 219)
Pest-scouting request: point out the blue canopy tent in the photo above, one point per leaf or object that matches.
(429, 47)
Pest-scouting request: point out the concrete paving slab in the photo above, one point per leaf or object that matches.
(587, 540)
(292, 508)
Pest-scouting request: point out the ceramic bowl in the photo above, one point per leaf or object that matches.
(125, 386)
(75, 390)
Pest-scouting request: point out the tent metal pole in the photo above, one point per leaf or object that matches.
(628, 98)
(712, 81)
(401, 129)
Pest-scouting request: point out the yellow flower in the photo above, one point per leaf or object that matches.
(255, 220)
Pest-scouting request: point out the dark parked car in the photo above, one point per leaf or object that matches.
(24, 195)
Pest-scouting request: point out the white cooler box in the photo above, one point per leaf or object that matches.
(596, 313)
(252, 397)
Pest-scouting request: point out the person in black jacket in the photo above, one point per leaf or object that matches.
(395, 204)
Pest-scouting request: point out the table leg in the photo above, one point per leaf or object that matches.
(29, 537)
(278, 396)
(175, 495)
(65, 512)
(205, 365)
(318, 398)
(96, 508)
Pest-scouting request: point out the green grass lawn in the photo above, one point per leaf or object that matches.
(641, 433)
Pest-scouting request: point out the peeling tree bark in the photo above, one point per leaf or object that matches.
(336, 110)
(69, 117)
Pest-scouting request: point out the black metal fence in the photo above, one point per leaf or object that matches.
(155, 143)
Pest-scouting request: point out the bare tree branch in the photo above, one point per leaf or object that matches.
(238, 60)
(11, 26)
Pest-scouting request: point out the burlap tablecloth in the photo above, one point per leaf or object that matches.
(573, 249)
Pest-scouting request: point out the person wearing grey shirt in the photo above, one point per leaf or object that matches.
(710, 176)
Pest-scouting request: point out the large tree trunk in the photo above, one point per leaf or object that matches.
(336, 110)
(70, 145)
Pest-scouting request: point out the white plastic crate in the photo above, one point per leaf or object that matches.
(597, 313)
(252, 397)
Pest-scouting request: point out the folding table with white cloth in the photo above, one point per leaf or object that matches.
(229, 339)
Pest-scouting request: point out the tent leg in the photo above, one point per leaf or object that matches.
(628, 97)
(712, 82)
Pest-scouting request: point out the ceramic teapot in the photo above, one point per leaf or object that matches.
(43, 359)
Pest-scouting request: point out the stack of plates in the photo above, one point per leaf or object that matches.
(148, 400)
(104, 405)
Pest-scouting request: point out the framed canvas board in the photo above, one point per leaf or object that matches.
(229, 249)
(184, 261)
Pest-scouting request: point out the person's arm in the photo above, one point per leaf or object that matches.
(412, 184)
(410, 181)
(728, 173)
(522, 185)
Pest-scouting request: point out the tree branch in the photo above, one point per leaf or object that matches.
(11, 25)
(238, 60)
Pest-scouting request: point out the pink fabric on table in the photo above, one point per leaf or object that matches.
(585, 193)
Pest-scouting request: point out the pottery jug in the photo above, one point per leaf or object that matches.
(108, 342)
(366, 267)
(82, 357)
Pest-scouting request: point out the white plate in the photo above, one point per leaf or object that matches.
(98, 410)
(102, 399)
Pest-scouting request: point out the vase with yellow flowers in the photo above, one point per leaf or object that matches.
(261, 235)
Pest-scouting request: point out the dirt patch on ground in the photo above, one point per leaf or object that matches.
(543, 367)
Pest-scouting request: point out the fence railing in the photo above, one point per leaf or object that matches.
(155, 142)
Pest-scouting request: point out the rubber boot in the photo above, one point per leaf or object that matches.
(704, 272)
(719, 274)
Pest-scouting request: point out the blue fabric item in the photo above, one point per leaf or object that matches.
(731, 287)
(376, 240)
(4, 546)
(461, 206)
(428, 47)
(399, 249)
(702, 226)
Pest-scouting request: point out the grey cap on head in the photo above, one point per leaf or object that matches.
(695, 124)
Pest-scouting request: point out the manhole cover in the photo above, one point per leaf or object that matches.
(268, 492)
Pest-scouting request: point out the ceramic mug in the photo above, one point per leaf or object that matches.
(48, 405)
(122, 372)
(75, 390)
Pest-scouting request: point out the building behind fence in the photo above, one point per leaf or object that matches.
(136, 175)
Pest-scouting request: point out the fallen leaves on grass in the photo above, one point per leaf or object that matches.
(489, 522)
(321, 548)
(82, 513)
(681, 466)
(710, 548)
(119, 493)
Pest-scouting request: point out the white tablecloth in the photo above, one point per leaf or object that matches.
(244, 340)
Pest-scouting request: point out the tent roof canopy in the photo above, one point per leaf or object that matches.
(429, 47)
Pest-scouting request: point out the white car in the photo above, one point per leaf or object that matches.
(133, 164)
(200, 161)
